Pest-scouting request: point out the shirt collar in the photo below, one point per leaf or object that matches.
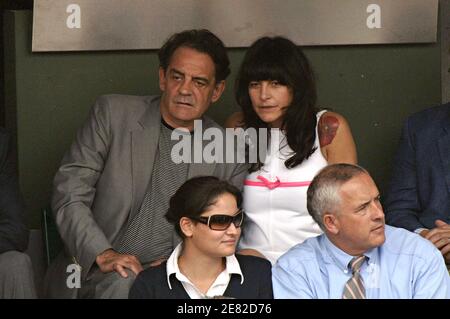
(340, 257)
(231, 265)
(172, 263)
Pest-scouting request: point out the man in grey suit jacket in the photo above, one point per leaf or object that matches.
(113, 187)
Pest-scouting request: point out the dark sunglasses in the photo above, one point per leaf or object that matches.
(221, 222)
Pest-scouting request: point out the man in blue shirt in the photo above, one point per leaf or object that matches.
(358, 256)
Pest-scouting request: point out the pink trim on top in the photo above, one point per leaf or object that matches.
(271, 185)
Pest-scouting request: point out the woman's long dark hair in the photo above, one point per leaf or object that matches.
(278, 59)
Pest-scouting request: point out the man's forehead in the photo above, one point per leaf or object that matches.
(187, 72)
(186, 59)
(359, 187)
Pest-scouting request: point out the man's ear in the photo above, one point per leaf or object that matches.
(162, 79)
(186, 226)
(218, 90)
(331, 223)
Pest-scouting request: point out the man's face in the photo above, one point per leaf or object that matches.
(359, 223)
(189, 87)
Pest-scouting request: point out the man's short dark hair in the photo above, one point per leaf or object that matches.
(202, 41)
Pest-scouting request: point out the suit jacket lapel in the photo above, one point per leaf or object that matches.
(444, 150)
(178, 291)
(144, 143)
(235, 289)
(201, 169)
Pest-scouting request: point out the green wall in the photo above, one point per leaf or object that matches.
(48, 96)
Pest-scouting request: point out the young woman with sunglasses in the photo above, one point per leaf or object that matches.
(275, 89)
(206, 214)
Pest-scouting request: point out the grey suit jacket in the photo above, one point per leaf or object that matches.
(103, 177)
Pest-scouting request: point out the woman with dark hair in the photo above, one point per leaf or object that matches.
(207, 216)
(276, 90)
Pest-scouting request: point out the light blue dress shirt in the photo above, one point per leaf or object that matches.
(405, 266)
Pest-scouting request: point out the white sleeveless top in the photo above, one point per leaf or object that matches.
(275, 200)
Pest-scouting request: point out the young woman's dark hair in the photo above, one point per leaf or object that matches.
(195, 196)
(201, 40)
(278, 59)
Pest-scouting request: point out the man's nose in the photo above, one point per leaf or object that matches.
(377, 211)
(185, 87)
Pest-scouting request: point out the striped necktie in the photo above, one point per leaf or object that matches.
(354, 288)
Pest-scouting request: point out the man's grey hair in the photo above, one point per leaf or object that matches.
(323, 192)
